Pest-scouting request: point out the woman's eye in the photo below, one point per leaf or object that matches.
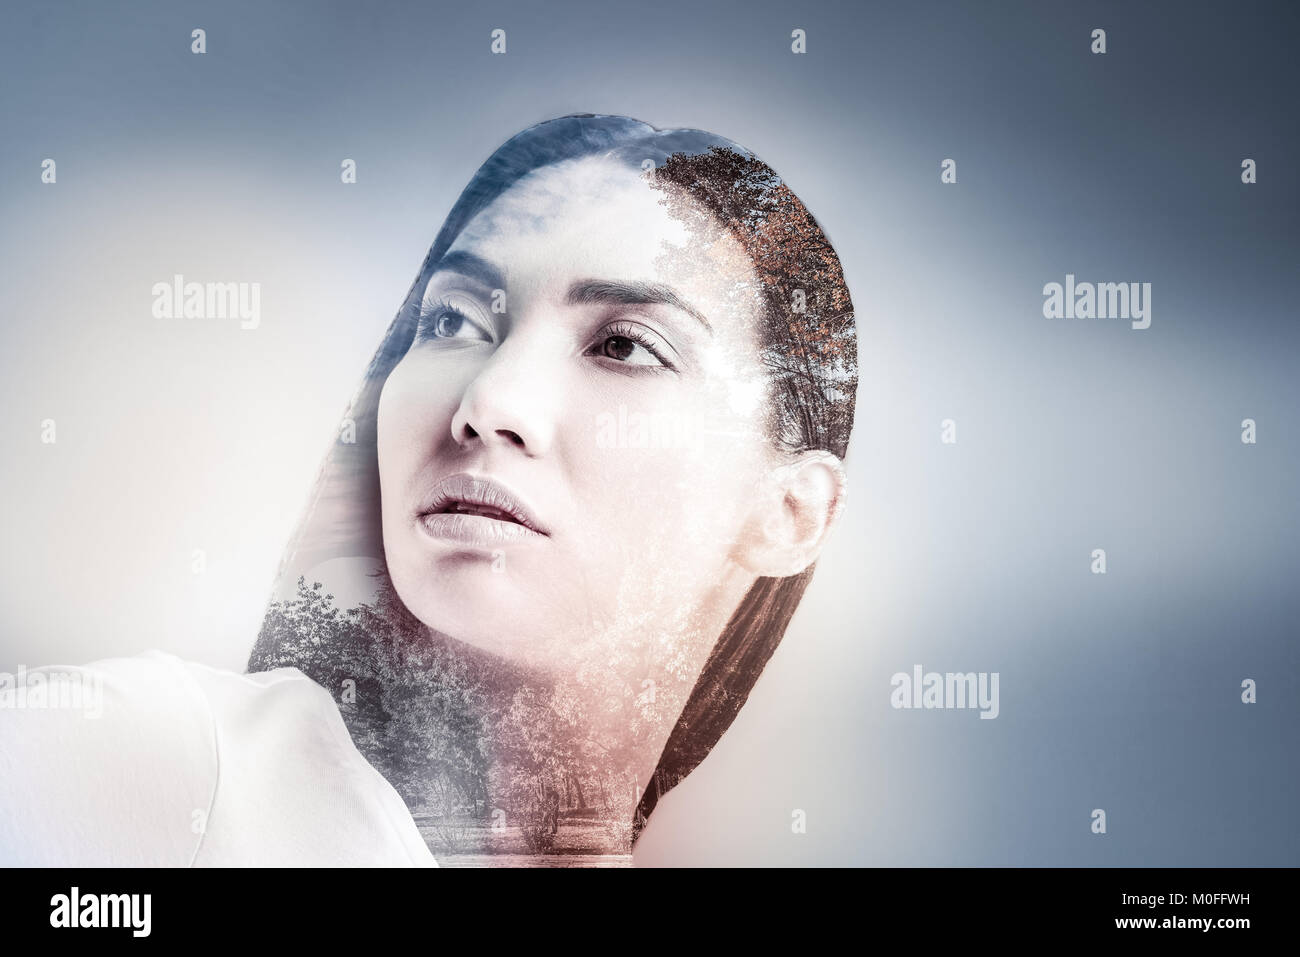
(448, 322)
(628, 350)
(630, 344)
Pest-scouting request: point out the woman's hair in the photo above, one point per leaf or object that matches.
(808, 345)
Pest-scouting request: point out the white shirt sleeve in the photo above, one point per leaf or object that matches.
(153, 761)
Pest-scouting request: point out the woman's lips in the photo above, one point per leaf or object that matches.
(475, 529)
(476, 510)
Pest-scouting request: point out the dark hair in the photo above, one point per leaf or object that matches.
(810, 350)
(808, 345)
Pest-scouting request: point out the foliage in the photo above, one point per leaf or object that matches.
(810, 339)
(458, 733)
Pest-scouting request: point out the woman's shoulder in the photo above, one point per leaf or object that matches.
(284, 738)
(157, 761)
(110, 763)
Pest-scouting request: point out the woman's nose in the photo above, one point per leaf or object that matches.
(507, 403)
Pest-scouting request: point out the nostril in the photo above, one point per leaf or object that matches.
(514, 437)
(469, 431)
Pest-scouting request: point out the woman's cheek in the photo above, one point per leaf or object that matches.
(705, 489)
(410, 405)
(394, 398)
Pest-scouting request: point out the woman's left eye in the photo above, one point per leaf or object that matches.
(628, 345)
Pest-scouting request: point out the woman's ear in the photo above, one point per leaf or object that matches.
(793, 511)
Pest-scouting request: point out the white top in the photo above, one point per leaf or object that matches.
(151, 761)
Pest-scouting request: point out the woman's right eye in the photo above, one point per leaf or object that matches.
(443, 320)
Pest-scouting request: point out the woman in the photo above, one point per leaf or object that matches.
(570, 512)
(594, 460)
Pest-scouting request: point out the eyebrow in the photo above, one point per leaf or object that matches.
(471, 266)
(581, 293)
(635, 293)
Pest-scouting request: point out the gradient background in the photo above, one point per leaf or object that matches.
(1118, 691)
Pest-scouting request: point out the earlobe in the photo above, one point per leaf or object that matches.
(794, 511)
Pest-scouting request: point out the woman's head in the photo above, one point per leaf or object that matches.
(624, 399)
(601, 439)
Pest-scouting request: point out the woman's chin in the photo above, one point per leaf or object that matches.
(490, 612)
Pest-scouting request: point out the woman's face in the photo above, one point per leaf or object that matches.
(570, 447)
